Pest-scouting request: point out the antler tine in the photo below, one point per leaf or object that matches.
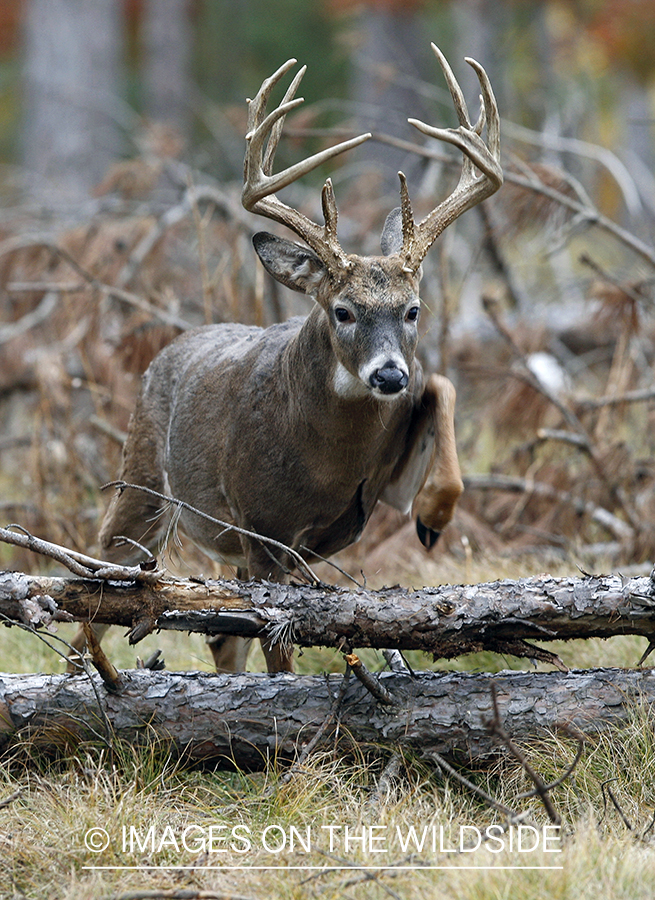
(257, 106)
(407, 213)
(276, 130)
(488, 109)
(330, 212)
(453, 86)
(473, 187)
(260, 185)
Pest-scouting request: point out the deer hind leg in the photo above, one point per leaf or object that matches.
(131, 513)
(230, 653)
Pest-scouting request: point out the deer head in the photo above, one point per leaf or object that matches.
(364, 298)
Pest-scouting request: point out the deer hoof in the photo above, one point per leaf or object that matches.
(427, 536)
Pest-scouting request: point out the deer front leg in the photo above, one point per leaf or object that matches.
(231, 652)
(427, 479)
(435, 502)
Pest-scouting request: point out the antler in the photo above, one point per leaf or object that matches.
(473, 187)
(260, 185)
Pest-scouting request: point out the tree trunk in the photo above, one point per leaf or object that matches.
(166, 62)
(71, 66)
(247, 720)
(446, 621)
(386, 68)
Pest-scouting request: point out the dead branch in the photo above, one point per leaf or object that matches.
(541, 789)
(644, 395)
(107, 671)
(611, 523)
(369, 681)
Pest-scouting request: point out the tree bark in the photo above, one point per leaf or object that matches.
(248, 720)
(446, 621)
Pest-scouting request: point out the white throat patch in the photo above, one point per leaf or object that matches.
(347, 386)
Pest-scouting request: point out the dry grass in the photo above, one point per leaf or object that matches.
(43, 831)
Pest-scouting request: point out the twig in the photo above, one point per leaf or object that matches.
(562, 778)
(333, 564)
(385, 782)
(637, 396)
(649, 828)
(228, 526)
(647, 652)
(512, 816)
(11, 798)
(27, 287)
(369, 681)
(108, 429)
(31, 319)
(541, 789)
(77, 563)
(565, 437)
(107, 671)
(615, 803)
(177, 894)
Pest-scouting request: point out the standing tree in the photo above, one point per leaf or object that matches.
(166, 45)
(70, 86)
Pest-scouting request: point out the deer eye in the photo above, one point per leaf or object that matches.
(412, 314)
(343, 314)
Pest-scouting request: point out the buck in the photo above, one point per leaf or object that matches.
(295, 432)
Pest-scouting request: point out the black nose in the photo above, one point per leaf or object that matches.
(389, 379)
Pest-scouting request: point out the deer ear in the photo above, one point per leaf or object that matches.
(391, 240)
(392, 233)
(293, 265)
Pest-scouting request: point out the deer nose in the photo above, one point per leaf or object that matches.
(389, 379)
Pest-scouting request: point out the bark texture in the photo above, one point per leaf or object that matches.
(248, 720)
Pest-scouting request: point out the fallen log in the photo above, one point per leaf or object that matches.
(249, 720)
(446, 621)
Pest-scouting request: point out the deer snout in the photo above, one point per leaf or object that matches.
(389, 379)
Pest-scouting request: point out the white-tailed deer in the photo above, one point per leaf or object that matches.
(295, 432)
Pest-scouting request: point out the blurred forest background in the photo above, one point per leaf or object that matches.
(121, 144)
